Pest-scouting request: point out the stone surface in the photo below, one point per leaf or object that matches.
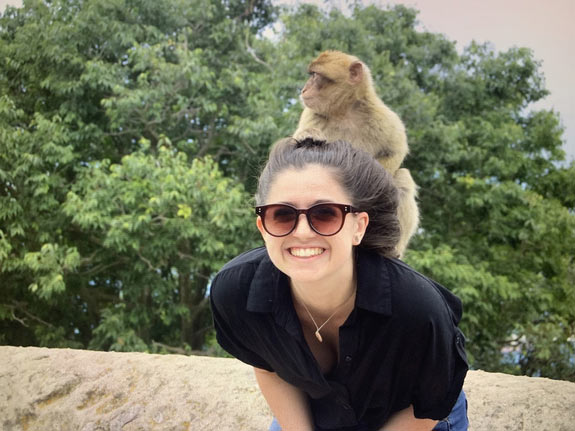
(79, 390)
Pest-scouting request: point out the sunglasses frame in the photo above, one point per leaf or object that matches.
(344, 208)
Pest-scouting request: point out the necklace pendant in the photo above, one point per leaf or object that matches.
(318, 336)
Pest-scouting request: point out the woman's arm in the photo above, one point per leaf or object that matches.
(404, 420)
(288, 404)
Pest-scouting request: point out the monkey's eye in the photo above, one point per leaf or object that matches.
(312, 74)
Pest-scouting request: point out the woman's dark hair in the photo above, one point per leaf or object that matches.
(369, 185)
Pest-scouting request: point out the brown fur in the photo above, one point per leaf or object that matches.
(340, 102)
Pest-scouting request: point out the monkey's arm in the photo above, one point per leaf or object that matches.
(288, 404)
(309, 126)
(405, 420)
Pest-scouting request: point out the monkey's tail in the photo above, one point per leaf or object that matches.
(407, 210)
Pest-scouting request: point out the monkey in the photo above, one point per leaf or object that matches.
(340, 102)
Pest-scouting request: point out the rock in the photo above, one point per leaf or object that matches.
(59, 389)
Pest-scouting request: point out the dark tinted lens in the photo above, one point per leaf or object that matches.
(280, 219)
(326, 219)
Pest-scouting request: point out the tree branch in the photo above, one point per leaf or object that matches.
(252, 52)
(19, 307)
(150, 266)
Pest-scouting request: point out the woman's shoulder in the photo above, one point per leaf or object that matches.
(232, 283)
(248, 258)
(415, 292)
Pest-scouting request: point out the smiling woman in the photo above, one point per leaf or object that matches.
(305, 255)
(341, 335)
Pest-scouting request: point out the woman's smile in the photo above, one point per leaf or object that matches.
(306, 251)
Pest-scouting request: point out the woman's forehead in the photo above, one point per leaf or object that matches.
(306, 186)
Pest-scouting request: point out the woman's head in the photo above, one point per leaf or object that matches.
(366, 183)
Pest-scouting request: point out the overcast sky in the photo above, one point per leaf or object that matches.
(547, 27)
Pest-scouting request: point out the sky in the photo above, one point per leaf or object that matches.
(547, 27)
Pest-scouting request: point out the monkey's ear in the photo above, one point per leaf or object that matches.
(356, 72)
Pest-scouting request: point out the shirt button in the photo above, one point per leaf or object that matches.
(348, 358)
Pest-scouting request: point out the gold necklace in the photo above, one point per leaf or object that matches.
(317, 334)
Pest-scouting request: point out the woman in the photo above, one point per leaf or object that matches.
(341, 335)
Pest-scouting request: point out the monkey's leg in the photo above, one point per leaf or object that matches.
(407, 211)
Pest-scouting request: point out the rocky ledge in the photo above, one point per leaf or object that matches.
(59, 389)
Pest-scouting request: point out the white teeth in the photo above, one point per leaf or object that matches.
(306, 252)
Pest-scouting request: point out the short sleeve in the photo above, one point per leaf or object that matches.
(441, 374)
(232, 332)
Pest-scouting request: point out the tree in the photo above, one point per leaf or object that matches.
(160, 228)
(89, 87)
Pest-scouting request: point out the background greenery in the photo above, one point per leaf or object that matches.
(131, 132)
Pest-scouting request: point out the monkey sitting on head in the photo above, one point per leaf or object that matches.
(340, 102)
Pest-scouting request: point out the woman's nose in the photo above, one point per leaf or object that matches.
(303, 229)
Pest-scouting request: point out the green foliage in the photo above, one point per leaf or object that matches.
(165, 225)
(116, 333)
(112, 220)
(130, 132)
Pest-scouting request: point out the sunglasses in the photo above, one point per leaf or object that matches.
(325, 219)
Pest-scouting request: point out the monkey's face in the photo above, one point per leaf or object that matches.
(315, 93)
(304, 255)
(333, 85)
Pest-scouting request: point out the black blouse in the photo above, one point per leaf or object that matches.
(400, 345)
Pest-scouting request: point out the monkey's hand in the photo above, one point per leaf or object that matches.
(315, 134)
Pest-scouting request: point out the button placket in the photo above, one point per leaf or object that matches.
(348, 344)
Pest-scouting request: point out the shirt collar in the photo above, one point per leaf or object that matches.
(269, 289)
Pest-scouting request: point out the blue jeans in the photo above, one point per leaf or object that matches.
(456, 421)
